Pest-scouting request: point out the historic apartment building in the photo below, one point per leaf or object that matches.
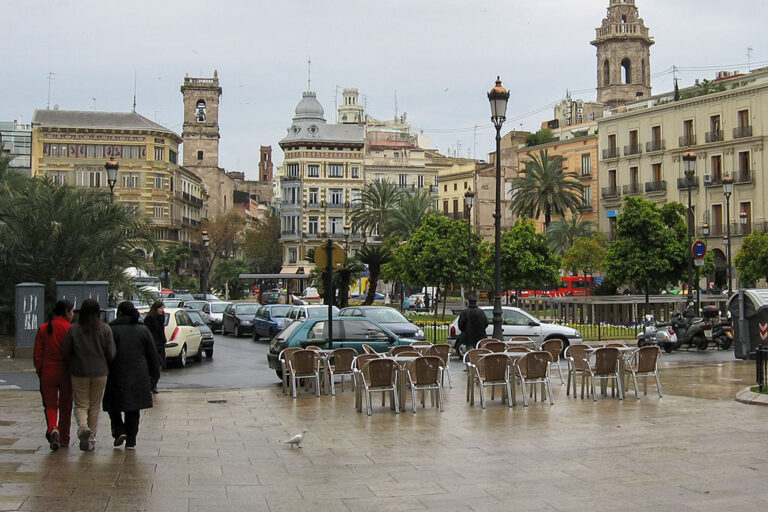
(71, 147)
(16, 145)
(641, 152)
(321, 180)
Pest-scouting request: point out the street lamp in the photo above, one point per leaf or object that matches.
(497, 97)
(689, 168)
(206, 242)
(112, 167)
(469, 201)
(346, 229)
(727, 191)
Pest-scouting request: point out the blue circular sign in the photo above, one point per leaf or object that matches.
(699, 249)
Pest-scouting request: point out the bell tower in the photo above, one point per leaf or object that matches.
(201, 121)
(623, 55)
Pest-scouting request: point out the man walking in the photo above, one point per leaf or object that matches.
(472, 323)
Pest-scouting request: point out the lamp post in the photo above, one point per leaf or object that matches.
(206, 242)
(727, 191)
(469, 201)
(689, 168)
(346, 229)
(497, 97)
(112, 167)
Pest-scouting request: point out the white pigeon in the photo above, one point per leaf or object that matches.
(297, 439)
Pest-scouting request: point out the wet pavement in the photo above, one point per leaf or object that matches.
(200, 450)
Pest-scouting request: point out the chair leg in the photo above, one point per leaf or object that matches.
(634, 381)
(413, 399)
(525, 392)
(510, 402)
(440, 398)
(396, 399)
(333, 384)
(658, 384)
(482, 395)
(368, 407)
(618, 383)
(317, 384)
(560, 372)
(594, 390)
(549, 391)
(568, 385)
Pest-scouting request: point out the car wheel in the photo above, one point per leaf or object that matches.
(641, 342)
(209, 353)
(279, 374)
(701, 343)
(256, 336)
(566, 344)
(182, 360)
(223, 330)
(668, 348)
(237, 331)
(199, 356)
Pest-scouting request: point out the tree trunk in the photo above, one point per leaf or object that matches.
(445, 299)
(373, 280)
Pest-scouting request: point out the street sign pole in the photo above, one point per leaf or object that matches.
(329, 290)
(698, 251)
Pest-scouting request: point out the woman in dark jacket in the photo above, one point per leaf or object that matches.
(131, 373)
(155, 322)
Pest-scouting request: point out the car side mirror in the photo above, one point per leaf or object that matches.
(533, 324)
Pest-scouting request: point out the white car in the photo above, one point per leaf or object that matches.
(212, 314)
(310, 294)
(308, 311)
(183, 338)
(517, 322)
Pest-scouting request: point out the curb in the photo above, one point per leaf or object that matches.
(747, 396)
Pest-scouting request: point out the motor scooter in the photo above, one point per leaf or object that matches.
(656, 333)
(691, 330)
(722, 330)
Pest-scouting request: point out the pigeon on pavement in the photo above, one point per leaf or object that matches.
(297, 439)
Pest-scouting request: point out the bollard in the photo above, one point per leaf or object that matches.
(761, 366)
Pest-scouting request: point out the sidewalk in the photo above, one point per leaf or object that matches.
(694, 449)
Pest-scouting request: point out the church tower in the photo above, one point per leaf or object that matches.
(350, 111)
(623, 55)
(201, 121)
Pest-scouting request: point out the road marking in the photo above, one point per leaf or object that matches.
(8, 386)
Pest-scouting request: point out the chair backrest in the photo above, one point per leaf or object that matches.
(421, 343)
(303, 362)
(409, 353)
(647, 358)
(606, 360)
(496, 346)
(618, 345)
(362, 360)
(518, 348)
(286, 352)
(577, 352)
(312, 347)
(473, 355)
(343, 358)
(493, 367)
(520, 338)
(368, 349)
(554, 347)
(483, 342)
(443, 351)
(425, 370)
(402, 348)
(533, 365)
(379, 372)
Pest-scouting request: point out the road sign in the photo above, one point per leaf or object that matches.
(337, 256)
(699, 249)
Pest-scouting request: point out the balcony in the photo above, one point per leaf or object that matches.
(652, 187)
(312, 204)
(586, 208)
(632, 150)
(290, 234)
(743, 176)
(684, 184)
(610, 153)
(334, 206)
(609, 192)
(742, 131)
(290, 178)
(656, 145)
(455, 215)
(631, 189)
(687, 140)
(713, 180)
(716, 136)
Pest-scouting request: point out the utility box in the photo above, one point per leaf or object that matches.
(749, 315)
(30, 315)
(77, 291)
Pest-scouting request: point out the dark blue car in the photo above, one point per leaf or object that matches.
(269, 320)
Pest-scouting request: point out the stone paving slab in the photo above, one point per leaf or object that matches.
(696, 449)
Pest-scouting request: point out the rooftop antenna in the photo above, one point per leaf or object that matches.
(50, 77)
(94, 103)
(395, 105)
(309, 74)
(134, 90)
(749, 59)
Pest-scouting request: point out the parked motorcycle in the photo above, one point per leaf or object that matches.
(656, 333)
(722, 329)
(690, 330)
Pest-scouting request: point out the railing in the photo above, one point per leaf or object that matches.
(655, 186)
(655, 145)
(621, 28)
(290, 178)
(631, 189)
(610, 153)
(743, 176)
(685, 183)
(455, 215)
(713, 180)
(315, 205)
(290, 234)
(742, 131)
(609, 192)
(335, 206)
(632, 150)
(687, 140)
(716, 136)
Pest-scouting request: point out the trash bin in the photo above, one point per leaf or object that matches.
(749, 314)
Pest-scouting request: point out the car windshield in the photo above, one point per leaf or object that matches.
(321, 312)
(217, 307)
(280, 310)
(247, 309)
(288, 331)
(172, 303)
(195, 304)
(195, 317)
(384, 315)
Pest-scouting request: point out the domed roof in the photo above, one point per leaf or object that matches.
(309, 107)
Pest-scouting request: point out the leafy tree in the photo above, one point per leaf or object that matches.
(261, 245)
(230, 270)
(403, 221)
(562, 233)
(224, 233)
(540, 137)
(752, 259)
(172, 256)
(650, 249)
(544, 187)
(377, 202)
(375, 257)
(586, 255)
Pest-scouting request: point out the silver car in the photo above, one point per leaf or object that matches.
(212, 314)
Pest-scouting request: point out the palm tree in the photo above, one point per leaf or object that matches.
(413, 208)
(375, 257)
(545, 187)
(377, 202)
(562, 233)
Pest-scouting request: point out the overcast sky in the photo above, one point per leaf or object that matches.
(439, 58)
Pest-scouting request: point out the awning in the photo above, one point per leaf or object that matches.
(289, 270)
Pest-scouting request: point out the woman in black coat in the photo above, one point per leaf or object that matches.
(131, 374)
(155, 322)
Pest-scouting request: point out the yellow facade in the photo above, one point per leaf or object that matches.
(453, 182)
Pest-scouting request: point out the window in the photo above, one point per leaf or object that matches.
(172, 156)
(717, 168)
(199, 155)
(445, 188)
(656, 169)
(293, 170)
(313, 225)
(90, 179)
(355, 196)
(743, 117)
(455, 206)
(94, 151)
(420, 181)
(455, 186)
(200, 111)
(465, 185)
(313, 195)
(335, 171)
(586, 164)
(612, 141)
(586, 196)
(626, 71)
(606, 73)
(158, 181)
(402, 180)
(336, 195)
(688, 136)
(130, 180)
(313, 171)
(336, 224)
(58, 177)
(355, 172)
(292, 255)
(157, 211)
(634, 178)
(445, 207)
(159, 154)
(633, 142)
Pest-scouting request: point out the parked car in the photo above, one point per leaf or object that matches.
(206, 342)
(173, 302)
(270, 297)
(310, 294)
(182, 294)
(269, 320)
(517, 322)
(196, 305)
(238, 318)
(347, 332)
(390, 318)
(184, 339)
(212, 313)
(309, 311)
(209, 297)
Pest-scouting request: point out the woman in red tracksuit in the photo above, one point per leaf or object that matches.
(53, 370)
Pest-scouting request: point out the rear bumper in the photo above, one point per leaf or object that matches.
(273, 361)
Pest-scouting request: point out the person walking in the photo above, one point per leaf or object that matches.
(131, 374)
(472, 323)
(53, 371)
(89, 347)
(155, 322)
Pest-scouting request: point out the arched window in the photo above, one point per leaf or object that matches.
(606, 73)
(200, 112)
(626, 72)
